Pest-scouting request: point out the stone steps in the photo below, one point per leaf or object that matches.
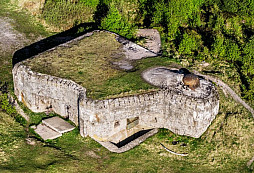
(53, 127)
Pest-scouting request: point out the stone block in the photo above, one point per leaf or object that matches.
(46, 132)
(58, 124)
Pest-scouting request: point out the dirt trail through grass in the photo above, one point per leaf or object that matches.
(10, 39)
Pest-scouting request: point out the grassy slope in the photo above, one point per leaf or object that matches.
(23, 23)
(225, 147)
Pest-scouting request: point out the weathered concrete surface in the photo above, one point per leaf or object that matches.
(171, 78)
(112, 147)
(46, 132)
(58, 124)
(152, 38)
(133, 51)
(129, 52)
(42, 93)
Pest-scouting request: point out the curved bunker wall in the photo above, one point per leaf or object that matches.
(163, 109)
(173, 107)
(102, 119)
(41, 92)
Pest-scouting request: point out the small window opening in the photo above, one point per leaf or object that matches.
(132, 122)
(117, 123)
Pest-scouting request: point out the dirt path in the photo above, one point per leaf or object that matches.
(226, 88)
(10, 39)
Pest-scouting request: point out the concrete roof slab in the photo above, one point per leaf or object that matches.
(46, 132)
(58, 124)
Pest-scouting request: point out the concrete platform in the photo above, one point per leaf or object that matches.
(46, 132)
(114, 148)
(58, 124)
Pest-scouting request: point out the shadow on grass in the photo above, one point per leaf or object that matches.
(52, 41)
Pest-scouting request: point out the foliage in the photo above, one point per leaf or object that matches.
(5, 104)
(90, 3)
(241, 7)
(64, 14)
(190, 43)
(248, 67)
(115, 22)
(173, 14)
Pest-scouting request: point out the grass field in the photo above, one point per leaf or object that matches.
(226, 146)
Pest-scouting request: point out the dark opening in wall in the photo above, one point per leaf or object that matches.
(132, 122)
(131, 138)
(117, 123)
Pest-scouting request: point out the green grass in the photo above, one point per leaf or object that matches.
(226, 146)
(63, 15)
(23, 23)
(89, 63)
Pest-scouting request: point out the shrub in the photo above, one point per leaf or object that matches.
(232, 51)
(115, 22)
(191, 42)
(5, 105)
(218, 47)
(241, 7)
(90, 3)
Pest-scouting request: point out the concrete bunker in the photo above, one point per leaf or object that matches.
(121, 123)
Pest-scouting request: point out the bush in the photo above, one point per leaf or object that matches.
(5, 105)
(190, 43)
(173, 14)
(90, 3)
(115, 22)
(241, 7)
(232, 51)
(248, 58)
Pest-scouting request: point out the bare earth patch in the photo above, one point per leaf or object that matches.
(10, 39)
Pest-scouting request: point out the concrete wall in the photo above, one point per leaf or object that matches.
(107, 120)
(163, 109)
(40, 92)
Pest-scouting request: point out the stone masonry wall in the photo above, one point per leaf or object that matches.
(40, 92)
(101, 119)
(163, 109)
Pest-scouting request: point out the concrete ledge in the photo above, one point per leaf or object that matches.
(58, 124)
(46, 132)
(113, 148)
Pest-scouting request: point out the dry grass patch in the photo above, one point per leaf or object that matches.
(86, 62)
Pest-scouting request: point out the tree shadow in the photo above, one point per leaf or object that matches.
(63, 37)
(101, 12)
(52, 41)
